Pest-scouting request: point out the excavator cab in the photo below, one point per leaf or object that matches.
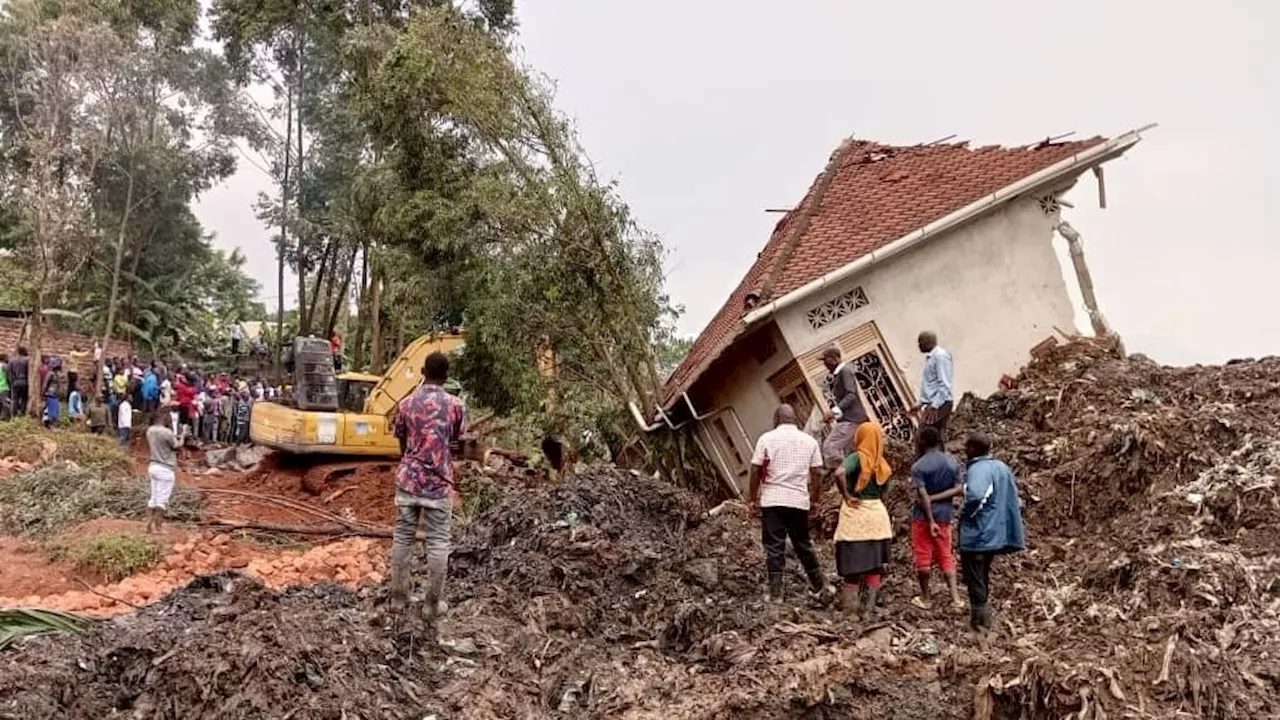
(354, 389)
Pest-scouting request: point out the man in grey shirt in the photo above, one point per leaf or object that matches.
(847, 413)
(162, 470)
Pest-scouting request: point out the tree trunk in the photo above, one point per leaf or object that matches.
(115, 280)
(362, 308)
(304, 310)
(375, 320)
(340, 300)
(314, 305)
(34, 389)
(284, 228)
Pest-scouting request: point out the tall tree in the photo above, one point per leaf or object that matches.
(56, 58)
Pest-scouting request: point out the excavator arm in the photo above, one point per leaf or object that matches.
(405, 373)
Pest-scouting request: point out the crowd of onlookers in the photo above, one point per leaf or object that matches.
(202, 406)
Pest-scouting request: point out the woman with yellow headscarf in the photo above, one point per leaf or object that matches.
(864, 532)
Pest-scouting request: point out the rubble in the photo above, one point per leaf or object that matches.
(1151, 588)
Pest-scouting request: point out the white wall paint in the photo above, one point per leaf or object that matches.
(990, 289)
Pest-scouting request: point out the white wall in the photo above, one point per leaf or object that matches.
(990, 289)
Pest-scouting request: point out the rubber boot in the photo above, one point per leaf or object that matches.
(818, 588)
(774, 593)
(434, 604)
(398, 587)
(849, 600)
(981, 619)
(869, 606)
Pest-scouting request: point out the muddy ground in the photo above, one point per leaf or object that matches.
(1151, 589)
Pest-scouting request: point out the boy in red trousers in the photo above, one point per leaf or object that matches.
(935, 472)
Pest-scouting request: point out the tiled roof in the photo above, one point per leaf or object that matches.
(868, 196)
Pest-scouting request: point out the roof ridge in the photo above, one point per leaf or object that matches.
(797, 230)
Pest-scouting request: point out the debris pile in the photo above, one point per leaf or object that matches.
(1153, 585)
(224, 646)
(1151, 589)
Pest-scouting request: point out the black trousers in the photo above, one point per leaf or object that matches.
(976, 568)
(942, 418)
(20, 399)
(776, 525)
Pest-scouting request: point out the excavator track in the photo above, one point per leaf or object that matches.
(319, 477)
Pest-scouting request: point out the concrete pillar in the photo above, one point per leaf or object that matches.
(1096, 319)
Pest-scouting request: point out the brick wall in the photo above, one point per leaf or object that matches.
(76, 350)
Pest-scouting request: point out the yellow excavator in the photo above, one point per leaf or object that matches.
(330, 415)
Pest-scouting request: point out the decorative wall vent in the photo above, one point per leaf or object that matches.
(836, 308)
(1049, 204)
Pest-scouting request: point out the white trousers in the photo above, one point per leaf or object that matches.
(162, 480)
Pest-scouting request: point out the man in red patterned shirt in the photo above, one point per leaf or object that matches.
(428, 423)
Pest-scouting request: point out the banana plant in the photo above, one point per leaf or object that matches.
(18, 623)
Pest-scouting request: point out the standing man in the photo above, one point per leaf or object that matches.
(934, 473)
(990, 524)
(237, 336)
(162, 470)
(97, 415)
(53, 393)
(124, 421)
(786, 476)
(150, 391)
(846, 412)
(19, 374)
(935, 384)
(428, 423)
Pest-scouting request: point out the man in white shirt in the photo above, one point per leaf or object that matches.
(124, 421)
(786, 474)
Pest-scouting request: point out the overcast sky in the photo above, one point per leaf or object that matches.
(710, 111)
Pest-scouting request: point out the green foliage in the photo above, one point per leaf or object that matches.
(113, 555)
(495, 192)
(16, 623)
(151, 122)
(671, 351)
(46, 500)
(479, 493)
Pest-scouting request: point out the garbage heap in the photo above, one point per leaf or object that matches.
(1150, 590)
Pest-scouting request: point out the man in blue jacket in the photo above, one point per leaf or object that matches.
(990, 524)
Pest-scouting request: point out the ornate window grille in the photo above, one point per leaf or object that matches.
(836, 308)
(1049, 204)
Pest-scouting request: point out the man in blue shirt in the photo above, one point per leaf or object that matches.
(990, 524)
(935, 384)
(935, 473)
(150, 391)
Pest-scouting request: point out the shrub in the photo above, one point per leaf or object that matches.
(46, 500)
(114, 555)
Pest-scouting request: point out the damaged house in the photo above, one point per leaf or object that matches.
(888, 242)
